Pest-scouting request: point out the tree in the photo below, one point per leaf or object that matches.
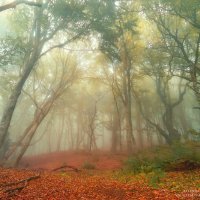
(117, 44)
(159, 68)
(64, 78)
(178, 24)
(46, 23)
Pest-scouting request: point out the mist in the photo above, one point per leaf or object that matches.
(99, 82)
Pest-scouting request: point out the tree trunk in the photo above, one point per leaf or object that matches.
(20, 148)
(139, 129)
(31, 60)
(115, 128)
(128, 102)
(60, 135)
(129, 131)
(12, 101)
(173, 134)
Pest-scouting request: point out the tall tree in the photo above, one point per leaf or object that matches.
(63, 79)
(46, 22)
(117, 44)
(178, 24)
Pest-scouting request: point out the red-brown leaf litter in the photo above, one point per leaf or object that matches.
(55, 186)
(101, 160)
(39, 182)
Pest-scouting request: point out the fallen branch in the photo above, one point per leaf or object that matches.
(12, 191)
(66, 166)
(21, 181)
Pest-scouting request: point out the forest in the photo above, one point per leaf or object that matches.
(99, 91)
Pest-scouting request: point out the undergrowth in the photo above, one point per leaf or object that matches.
(154, 163)
(163, 158)
(88, 165)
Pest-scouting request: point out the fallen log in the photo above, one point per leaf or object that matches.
(11, 191)
(21, 181)
(11, 188)
(66, 166)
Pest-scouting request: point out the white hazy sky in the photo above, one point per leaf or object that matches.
(4, 1)
(3, 25)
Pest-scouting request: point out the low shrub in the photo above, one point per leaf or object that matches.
(155, 177)
(88, 165)
(164, 158)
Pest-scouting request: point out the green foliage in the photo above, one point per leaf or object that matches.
(68, 10)
(163, 158)
(20, 21)
(154, 163)
(138, 165)
(124, 175)
(194, 135)
(88, 165)
(188, 151)
(12, 51)
(113, 25)
(155, 177)
(194, 132)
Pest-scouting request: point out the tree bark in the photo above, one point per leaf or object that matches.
(115, 129)
(31, 59)
(12, 101)
(15, 156)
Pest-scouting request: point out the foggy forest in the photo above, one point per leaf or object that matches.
(99, 99)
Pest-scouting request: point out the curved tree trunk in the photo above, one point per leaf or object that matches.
(31, 59)
(16, 153)
(12, 101)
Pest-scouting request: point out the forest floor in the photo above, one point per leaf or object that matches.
(101, 160)
(105, 182)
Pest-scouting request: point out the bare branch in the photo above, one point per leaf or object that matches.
(34, 101)
(158, 128)
(61, 45)
(14, 4)
(181, 95)
(197, 51)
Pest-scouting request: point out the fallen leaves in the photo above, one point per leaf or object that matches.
(79, 186)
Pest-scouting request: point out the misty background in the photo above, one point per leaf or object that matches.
(118, 76)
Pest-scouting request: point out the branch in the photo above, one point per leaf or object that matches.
(61, 45)
(162, 25)
(58, 28)
(12, 191)
(34, 101)
(197, 51)
(181, 96)
(14, 4)
(158, 128)
(66, 166)
(21, 181)
(187, 19)
(196, 107)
